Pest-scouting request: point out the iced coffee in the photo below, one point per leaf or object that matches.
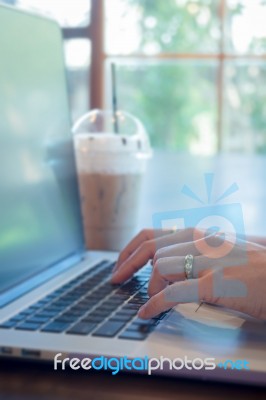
(110, 168)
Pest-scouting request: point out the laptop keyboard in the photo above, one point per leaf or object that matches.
(90, 305)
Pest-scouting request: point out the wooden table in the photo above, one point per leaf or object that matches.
(27, 381)
(167, 173)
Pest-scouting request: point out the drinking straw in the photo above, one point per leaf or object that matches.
(114, 98)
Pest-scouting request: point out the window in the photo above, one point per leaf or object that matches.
(192, 70)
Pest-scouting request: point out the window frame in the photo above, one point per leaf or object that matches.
(95, 32)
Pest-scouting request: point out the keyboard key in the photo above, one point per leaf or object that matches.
(118, 296)
(102, 313)
(58, 306)
(110, 286)
(56, 326)
(93, 318)
(109, 329)
(92, 298)
(141, 328)
(36, 305)
(81, 305)
(66, 297)
(73, 297)
(70, 319)
(82, 328)
(95, 297)
(121, 317)
(144, 297)
(143, 290)
(29, 310)
(139, 302)
(79, 292)
(90, 301)
(67, 313)
(28, 326)
(19, 317)
(53, 308)
(126, 311)
(111, 307)
(140, 321)
(131, 286)
(56, 309)
(129, 306)
(123, 292)
(38, 320)
(132, 335)
(76, 313)
(8, 324)
(160, 316)
(104, 290)
(44, 313)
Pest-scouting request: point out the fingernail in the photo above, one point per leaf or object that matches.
(115, 268)
(114, 277)
(141, 312)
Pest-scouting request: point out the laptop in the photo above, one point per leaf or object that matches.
(56, 299)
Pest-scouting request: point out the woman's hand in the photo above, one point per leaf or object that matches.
(225, 273)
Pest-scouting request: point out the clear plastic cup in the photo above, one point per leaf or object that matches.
(111, 153)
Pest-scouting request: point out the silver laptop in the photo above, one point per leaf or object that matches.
(56, 300)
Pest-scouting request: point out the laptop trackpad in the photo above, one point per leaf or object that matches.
(213, 326)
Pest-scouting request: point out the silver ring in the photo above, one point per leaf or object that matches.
(188, 266)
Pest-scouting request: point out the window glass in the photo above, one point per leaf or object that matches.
(78, 55)
(245, 111)
(175, 100)
(246, 27)
(151, 27)
(67, 13)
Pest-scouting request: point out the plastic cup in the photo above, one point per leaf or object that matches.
(111, 152)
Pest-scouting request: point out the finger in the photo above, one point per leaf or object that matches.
(169, 269)
(211, 246)
(147, 250)
(165, 270)
(189, 291)
(144, 235)
(137, 260)
(172, 269)
(189, 234)
(164, 238)
(140, 257)
(175, 250)
(178, 243)
(180, 292)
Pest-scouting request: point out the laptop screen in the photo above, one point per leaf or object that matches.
(40, 222)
